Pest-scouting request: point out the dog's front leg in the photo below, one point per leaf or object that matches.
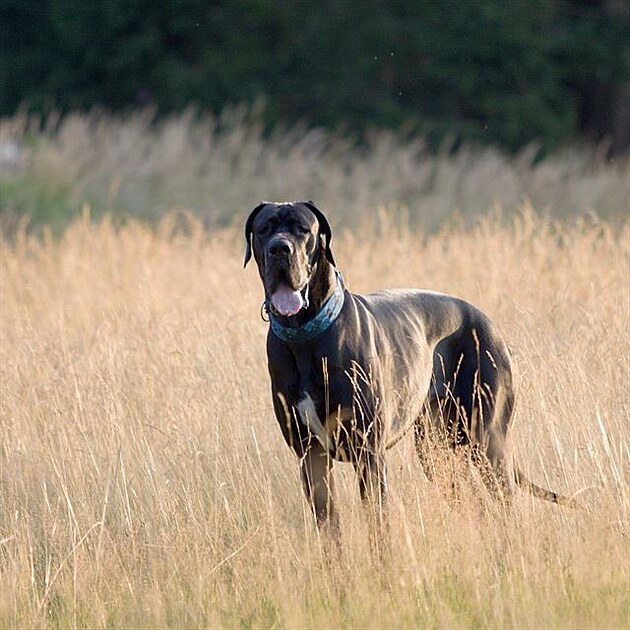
(319, 488)
(372, 474)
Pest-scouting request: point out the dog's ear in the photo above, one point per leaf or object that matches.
(248, 231)
(324, 228)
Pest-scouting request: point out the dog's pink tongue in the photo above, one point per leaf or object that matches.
(287, 301)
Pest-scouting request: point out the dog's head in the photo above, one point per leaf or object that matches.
(290, 242)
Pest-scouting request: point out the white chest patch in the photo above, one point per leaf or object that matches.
(309, 418)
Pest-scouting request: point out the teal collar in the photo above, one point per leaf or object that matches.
(324, 318)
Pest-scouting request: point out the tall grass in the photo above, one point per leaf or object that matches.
(144, 482)
(217, 166)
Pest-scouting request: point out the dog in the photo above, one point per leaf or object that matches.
(351, 373)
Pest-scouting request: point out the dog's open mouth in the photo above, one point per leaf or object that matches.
(287, 301)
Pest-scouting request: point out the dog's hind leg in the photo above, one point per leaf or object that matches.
(433, 429)
(421, 430)
(496, 475)
(437, 434)
(491, 413)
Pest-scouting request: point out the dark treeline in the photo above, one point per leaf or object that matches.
(496, 71)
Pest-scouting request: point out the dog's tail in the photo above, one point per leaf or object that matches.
(542, 493)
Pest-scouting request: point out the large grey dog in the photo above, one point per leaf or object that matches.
(350, 373)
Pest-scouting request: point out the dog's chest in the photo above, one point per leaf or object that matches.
(338, 431)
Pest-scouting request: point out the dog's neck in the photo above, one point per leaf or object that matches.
(321, 286)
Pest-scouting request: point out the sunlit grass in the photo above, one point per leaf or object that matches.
(144, 482)
(217, 166)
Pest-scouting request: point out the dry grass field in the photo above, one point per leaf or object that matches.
(144, 482)
(217, 166)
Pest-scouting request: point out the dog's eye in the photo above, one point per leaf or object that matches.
(302, 229)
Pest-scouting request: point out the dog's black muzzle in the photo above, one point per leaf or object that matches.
(280, 247)
(281, 263)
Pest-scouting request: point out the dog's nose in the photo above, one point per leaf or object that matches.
(280, 247)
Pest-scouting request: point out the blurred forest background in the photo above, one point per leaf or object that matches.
(527, 78)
